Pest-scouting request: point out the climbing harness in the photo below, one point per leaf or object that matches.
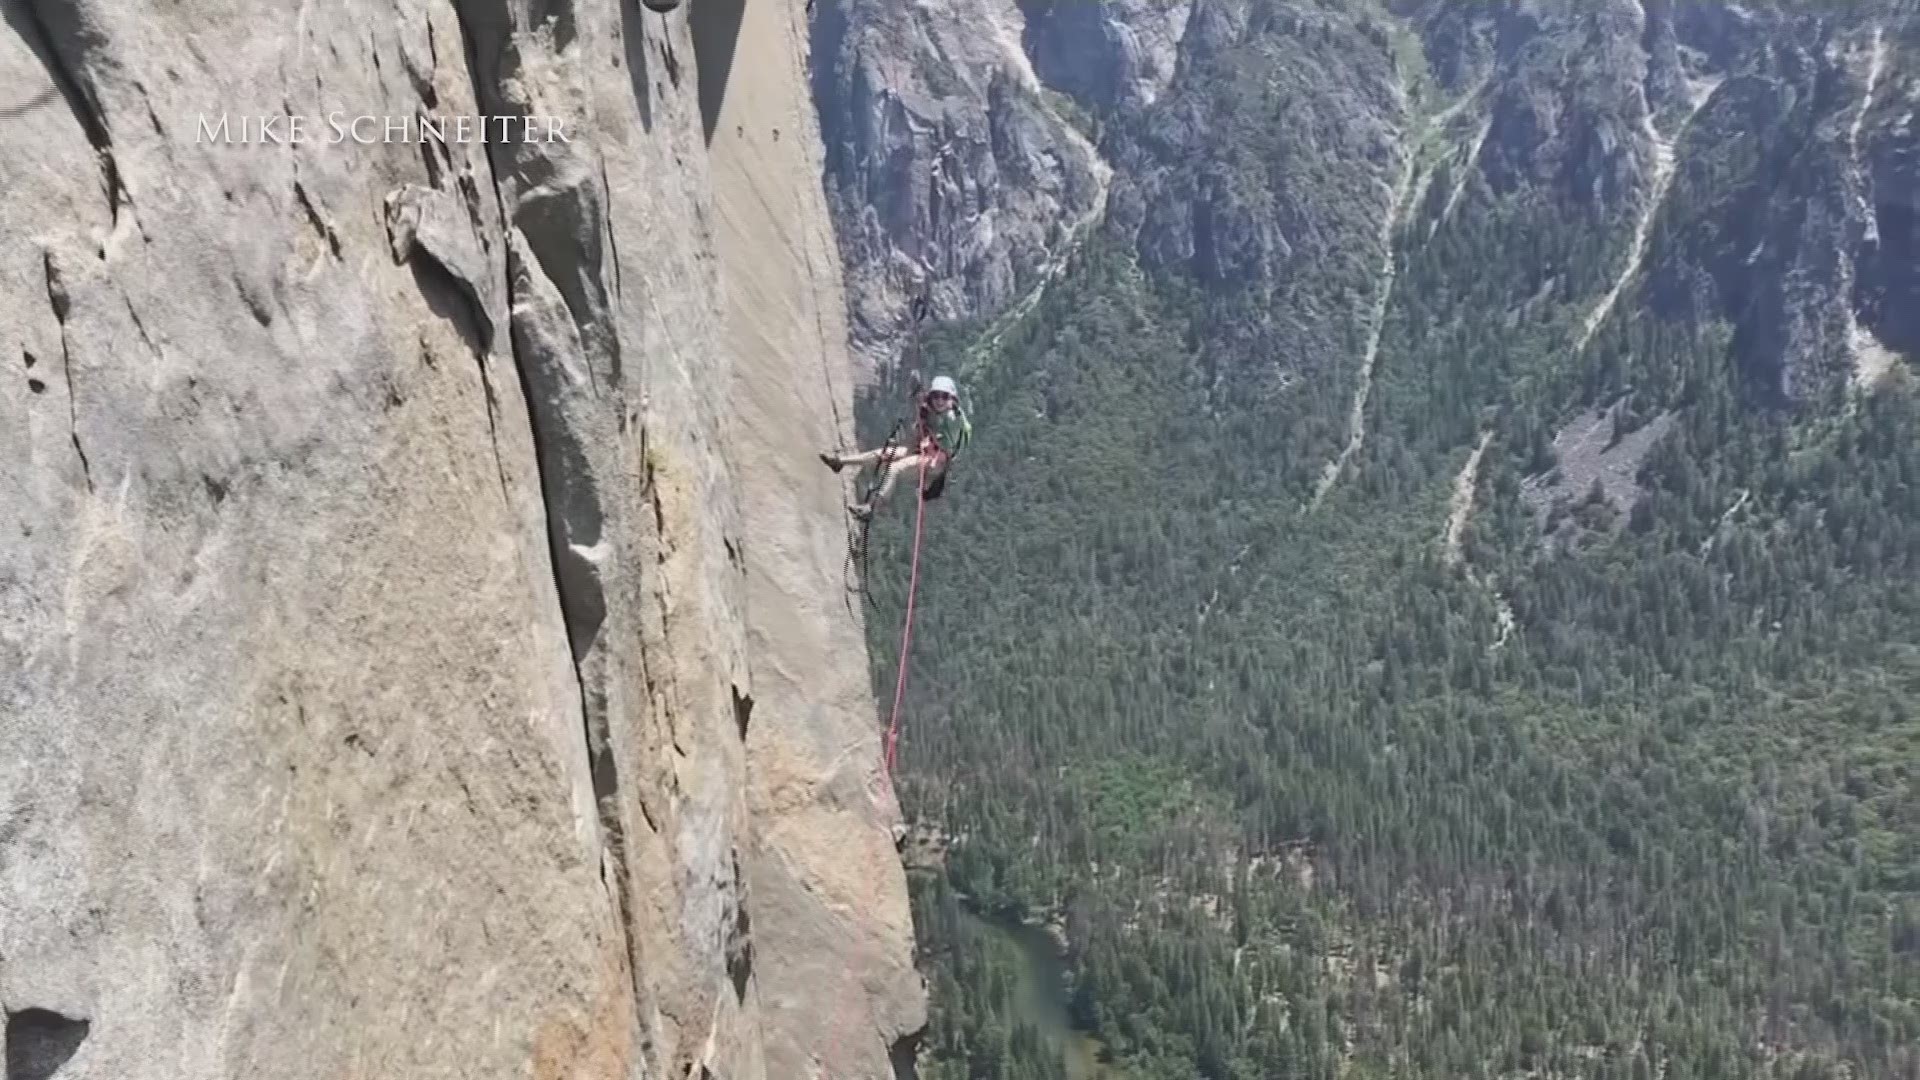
(857, 564)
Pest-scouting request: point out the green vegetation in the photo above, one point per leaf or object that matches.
(1303, 810)
(998, 997)
(981, 1022)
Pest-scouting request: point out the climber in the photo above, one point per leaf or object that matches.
(941, 430)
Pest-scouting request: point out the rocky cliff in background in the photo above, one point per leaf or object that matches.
(1265, 149)
(422, 647)
(950, 167)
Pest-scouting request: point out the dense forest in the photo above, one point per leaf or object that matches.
(1610, 779)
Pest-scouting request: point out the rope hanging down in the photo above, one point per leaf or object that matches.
(906, 629)
(920, 308)
(858, 560)
(857, 539)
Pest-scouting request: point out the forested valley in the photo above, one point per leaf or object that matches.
(1561, 724)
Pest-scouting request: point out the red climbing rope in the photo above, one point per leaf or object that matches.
(906, 631)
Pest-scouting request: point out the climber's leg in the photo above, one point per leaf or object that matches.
(877, 454)
(837, 461)
(900, 462)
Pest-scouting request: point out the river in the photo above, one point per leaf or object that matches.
(1043, 993)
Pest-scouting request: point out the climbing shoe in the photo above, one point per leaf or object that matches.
(832, 461)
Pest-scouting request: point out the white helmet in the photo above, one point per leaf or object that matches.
(943, 385)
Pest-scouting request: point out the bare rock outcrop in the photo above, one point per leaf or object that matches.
(421, 647)
(1744, 164)
(1111, 56)
(951, 167)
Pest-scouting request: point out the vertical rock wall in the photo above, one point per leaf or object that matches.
(831, 933)
(418, 653)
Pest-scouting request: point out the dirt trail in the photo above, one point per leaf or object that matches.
(1872, 360)
(1460, 511)
(1662, 182)
(1407, 193)
(1467, 166)
(1462, 506)
(1357, 414)
(1001, 23)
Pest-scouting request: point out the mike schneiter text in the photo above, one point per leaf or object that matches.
(367, 130)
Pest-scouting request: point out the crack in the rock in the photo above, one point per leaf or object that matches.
(742, 711)
(554, 221)
(613, 241)
(738, 948)
(574, 512)
(315, 218)
(423, 80)
(653, 499)
(9, 112)
(140, 327)
(431, 159)
(61, 303)
(646, 812)
(493, 426)
(64, 50)
(489, 395)
(668, 689)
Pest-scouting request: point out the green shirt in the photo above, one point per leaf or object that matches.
(951, 430)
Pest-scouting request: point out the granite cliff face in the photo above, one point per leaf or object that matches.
(422, 643)
(951, 168)
(1733, 160)
(1273, 152)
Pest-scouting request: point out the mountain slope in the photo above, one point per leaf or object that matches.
(1604, 765)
